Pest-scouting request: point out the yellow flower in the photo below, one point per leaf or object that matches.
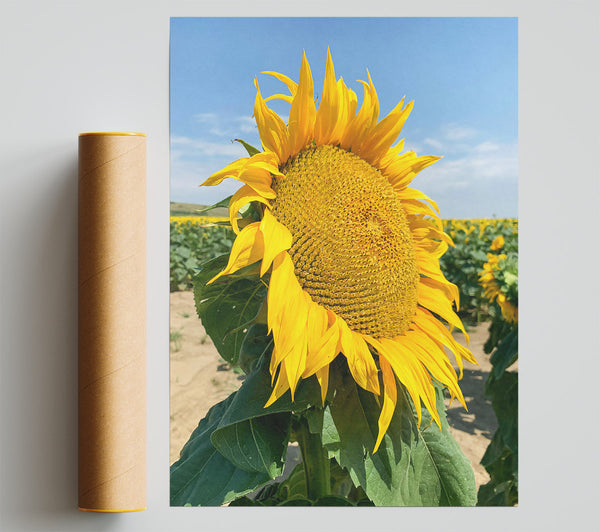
(353, 251)
(498, 243)
(492, 291)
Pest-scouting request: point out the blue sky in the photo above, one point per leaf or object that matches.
(461, 73)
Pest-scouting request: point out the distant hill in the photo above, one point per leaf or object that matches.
(192, 209)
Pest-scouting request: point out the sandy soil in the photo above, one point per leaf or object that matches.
(199, 378)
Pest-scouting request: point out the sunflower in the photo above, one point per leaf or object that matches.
(492, 290)
(498, 243)
(351, 249)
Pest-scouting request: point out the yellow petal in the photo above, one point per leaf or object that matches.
(390, 350)
(411, 193)
(421, 228)
(406, 166)
(405, 358)
(323, 380)
(283, 97)
(360, 361)
(280, 388)
(433, 299)
(255, 171)
(277, 238)
(432, 247)
(430, 267)
(346, 109)
(247, 249)
(282, 282)
(302, 113)
(376, 143)
(317, 326)
(291, 85)
(272, 129)
(287, 318)
(412, 206)
(231, 170)
(360, 123)
(328, 112)
(242, 197)
(391, 154)
(295, 359)
(389, 399)
(325, 348)
(435, 360)
(437, 331)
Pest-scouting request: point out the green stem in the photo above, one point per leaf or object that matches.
(315, 461)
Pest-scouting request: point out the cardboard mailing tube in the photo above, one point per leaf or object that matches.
(112, 322)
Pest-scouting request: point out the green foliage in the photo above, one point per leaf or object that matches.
(501, 457)
(292, 491)
(191, 245)
(228, 306)
(414, 466)
(254, 437)
(461, 264)
(240, 445)
(203, 476)
(507, 277)
(503, 343)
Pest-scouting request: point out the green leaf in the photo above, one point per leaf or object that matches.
(504, 393)
(246, 501)
(506, 353)
(413, 466)
(256, 343)
(332, 500)
(227, 306)
(240, 445)
(222, 203)
(480, 256)
(445, 462)
(297, 501)
(253, 437)
(257, 444)
(498, 494)
(250, 149)
(294, 485)
(494, 450)
(204, 477)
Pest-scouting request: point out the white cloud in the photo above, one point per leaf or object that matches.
(434, 143)
(206, 118)
(212, 122)
(457, 132)
(486, 147)
(225, 126)
(486, 161)
(246, 124)
(188, 147)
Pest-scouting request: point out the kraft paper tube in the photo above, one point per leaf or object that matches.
(112, 322)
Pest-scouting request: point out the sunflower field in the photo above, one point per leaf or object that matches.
(195, 240)
(461, 264)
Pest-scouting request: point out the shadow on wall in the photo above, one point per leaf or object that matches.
(38, 378)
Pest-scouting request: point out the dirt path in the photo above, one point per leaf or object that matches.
(199, 378)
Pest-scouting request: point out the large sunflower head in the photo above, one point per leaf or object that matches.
(352, 250)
